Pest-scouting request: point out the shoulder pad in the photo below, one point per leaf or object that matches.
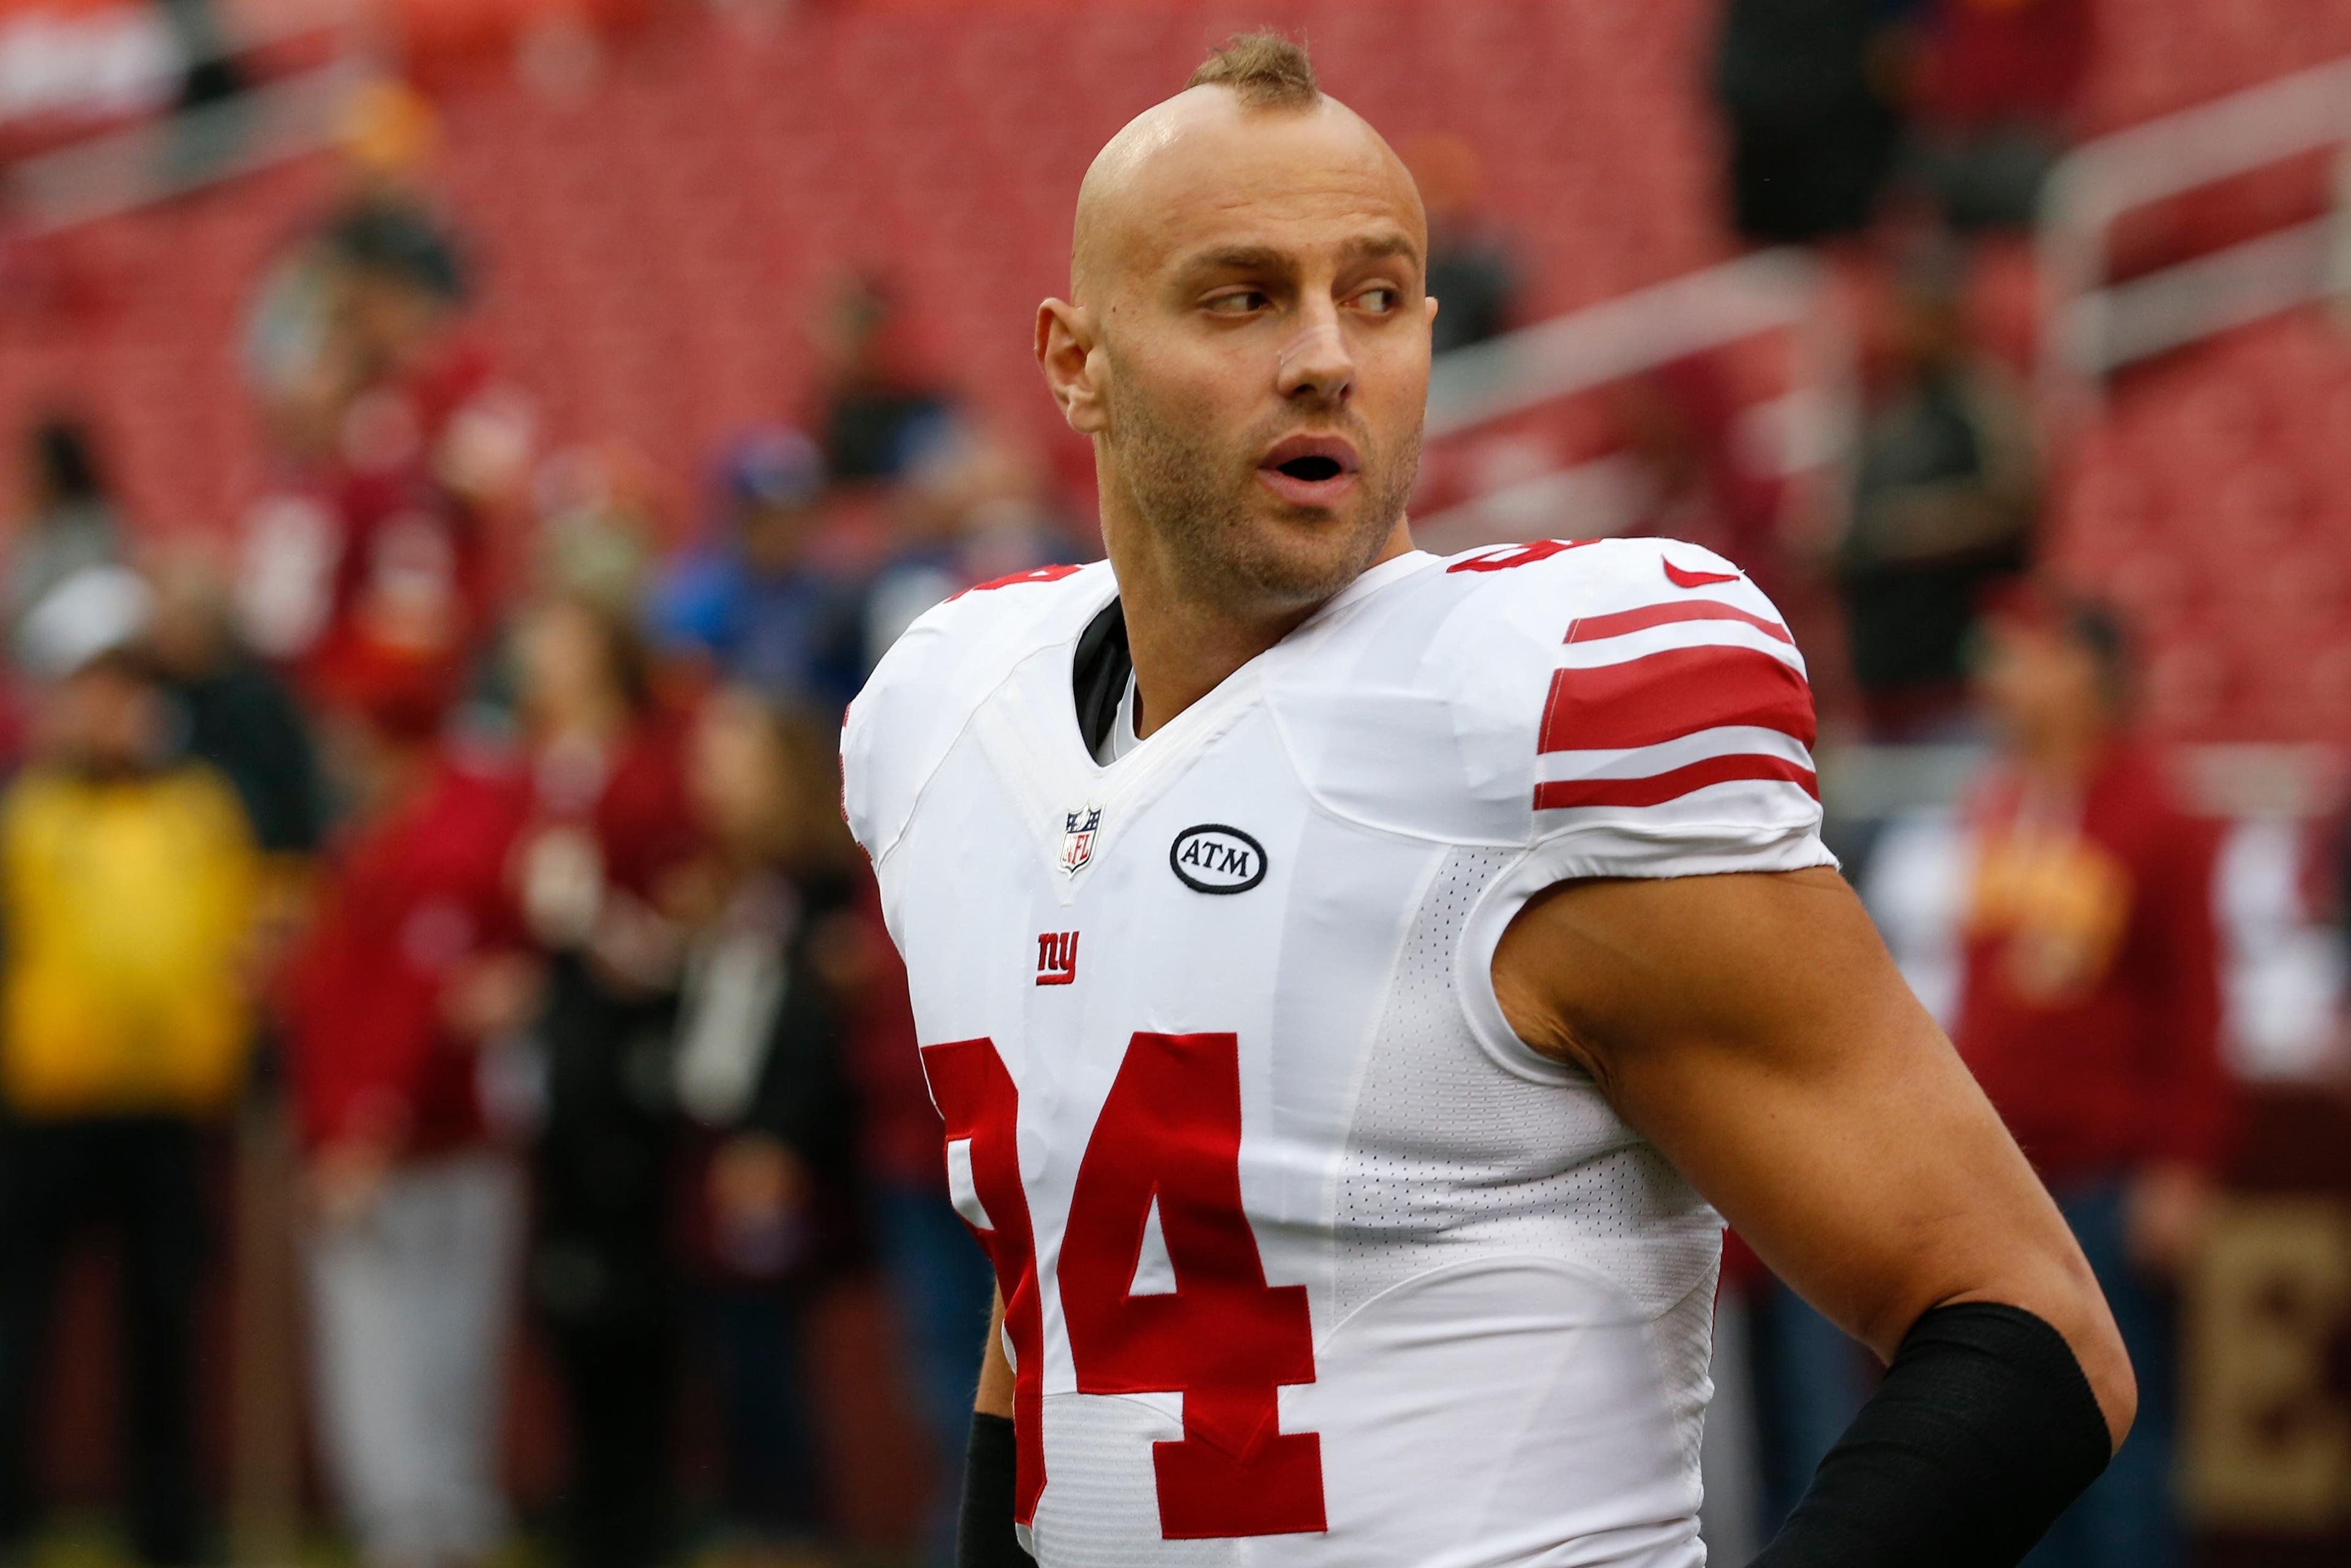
(1639, 700)
(901, 726)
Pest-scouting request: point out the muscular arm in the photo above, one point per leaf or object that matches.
(1756, 1030)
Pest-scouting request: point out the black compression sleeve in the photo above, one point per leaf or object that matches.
(983, 1537)
(1982, 1431)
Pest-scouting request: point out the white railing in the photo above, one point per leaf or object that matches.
(2092, 327)
(127, 168)
(117, 171)
(1778, 290)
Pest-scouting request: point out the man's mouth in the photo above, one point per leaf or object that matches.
(1309, 470)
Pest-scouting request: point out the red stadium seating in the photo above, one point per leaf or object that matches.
(654, 251)
(2211, 502)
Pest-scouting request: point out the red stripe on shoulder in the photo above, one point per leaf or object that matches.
(1565, 794)
(1042, 574)
(1511, 556)
(1665, 696)
(1592, 628)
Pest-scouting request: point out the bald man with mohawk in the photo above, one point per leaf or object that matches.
(1357, 983)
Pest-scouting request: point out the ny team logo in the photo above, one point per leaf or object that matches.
(1077, 839)
(1057, 958)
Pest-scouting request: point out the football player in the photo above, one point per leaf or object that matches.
(1358, 984)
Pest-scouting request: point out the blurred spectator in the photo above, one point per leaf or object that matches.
(1998, 80)
(1470, 273)
(212, 78)
(760, 1075)
(596, 522)
(2090, 1011)
(602, 870)
(750, 600)
(430, 449)
(1947, 492)
(387, 135)
(212, 75)
(413, 968)
(241, 718)
(69, 523)
(410, 453)
(127, 880)
(879, 409)
(1805, 87)
(974, 509)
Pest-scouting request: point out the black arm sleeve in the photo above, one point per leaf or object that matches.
(1982, 1431)
(983, 1537)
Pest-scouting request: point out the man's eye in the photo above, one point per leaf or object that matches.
(1246, 302)
(1380, 301)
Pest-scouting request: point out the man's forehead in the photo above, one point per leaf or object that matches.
(1201, 173)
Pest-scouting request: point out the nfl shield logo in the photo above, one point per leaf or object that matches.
(1078, 837)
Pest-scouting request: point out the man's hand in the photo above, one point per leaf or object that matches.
(346, 1177)
(493, 994)
(2165, 1213)
(1755, 1030)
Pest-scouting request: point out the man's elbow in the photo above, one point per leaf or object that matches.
(2076, 1307)
(2063, 1292)
(2107, 1365)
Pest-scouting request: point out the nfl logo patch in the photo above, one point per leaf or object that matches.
(1078, 837)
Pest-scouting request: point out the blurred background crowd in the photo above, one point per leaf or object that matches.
(457, 1101)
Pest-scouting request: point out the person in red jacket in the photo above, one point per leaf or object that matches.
(2090, 1011)
(605, 873)
(413, 968)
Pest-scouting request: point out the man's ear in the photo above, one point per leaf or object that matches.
(1432, 310)
(1065, 347)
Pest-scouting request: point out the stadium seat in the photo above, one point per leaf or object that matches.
(651, 259)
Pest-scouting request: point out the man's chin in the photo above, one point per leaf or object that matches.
(1303, 555)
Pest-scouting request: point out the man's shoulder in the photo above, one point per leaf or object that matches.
(938, 671)
(1531, 599)
(1587, 575)
(1496, 695)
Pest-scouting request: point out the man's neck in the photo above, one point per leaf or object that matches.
(1183, 646)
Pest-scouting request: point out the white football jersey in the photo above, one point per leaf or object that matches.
(1306, 1259)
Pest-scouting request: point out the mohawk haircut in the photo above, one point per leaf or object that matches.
(1264, 71)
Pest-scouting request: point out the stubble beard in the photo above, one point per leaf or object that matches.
(1215, 533)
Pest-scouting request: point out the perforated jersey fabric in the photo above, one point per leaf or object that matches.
(1308, 1259)
(1448, 1155)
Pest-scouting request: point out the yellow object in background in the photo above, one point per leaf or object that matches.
(129, 905)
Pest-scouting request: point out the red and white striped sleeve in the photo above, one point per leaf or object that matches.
(1676, 730)
(1647, 712)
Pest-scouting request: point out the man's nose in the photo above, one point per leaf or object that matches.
(1317, 364)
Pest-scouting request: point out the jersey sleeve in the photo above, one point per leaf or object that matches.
(1676, 732)
(1653, 707)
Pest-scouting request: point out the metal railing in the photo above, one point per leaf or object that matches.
(2095, 327)
(121, 169)
(1810, 426)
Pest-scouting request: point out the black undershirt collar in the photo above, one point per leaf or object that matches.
(1100, 674)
